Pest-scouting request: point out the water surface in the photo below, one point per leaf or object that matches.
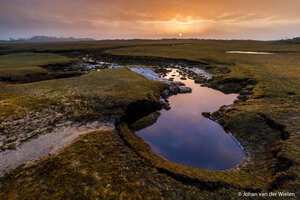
(183, 135)
(250, 52)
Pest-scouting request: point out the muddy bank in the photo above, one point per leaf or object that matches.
(41, 134)
(264, 148)
(16, 131)
(243, 86)
(48, 144)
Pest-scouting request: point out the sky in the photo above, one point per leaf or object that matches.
(127, 19)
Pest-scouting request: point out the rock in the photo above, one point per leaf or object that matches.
(173, 89)
(243, 97)
(184, 89)
(164, 104)
(206, 114)
(11, 146)
(178, 83)
(165, 94)
(200, 79)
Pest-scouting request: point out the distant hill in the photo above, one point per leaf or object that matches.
(295, 40)
(50, 39)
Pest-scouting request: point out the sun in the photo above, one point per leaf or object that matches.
(180, 35)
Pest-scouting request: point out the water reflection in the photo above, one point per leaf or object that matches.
(184, 136)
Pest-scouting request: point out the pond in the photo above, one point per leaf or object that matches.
(183, 135)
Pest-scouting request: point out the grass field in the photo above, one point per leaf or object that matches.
(106, 88)
(267, 123)
(61, 47)
(22, 66)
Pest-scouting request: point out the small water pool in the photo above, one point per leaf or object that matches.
(250, 52)
(183, 135)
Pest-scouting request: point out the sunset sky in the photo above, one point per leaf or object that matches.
(111, 19)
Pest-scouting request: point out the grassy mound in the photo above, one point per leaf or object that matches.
(21, 67)
(108, 87)
(27, 109)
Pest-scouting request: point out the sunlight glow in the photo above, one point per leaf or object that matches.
(180, 26)
(184, 26)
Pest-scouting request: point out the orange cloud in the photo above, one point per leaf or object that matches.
(262, 19)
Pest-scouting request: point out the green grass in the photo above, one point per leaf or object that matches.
(21, 66)
(23, 60)
(97, 92)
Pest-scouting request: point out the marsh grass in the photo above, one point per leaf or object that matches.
(267, 124)
(105, 92)
(22, 66)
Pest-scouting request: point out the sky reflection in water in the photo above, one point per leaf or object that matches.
(184, 136)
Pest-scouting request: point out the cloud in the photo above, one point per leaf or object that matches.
(135, 18)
